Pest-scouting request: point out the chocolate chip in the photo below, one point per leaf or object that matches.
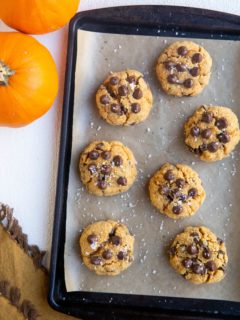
(211, 265)
(192, 249)
(172, 78)
(220, 241)
(120, 255)
(196, 58)
(213, 147)
(131, 79)
(193, 192)
(176, 193)
(137, 93)
(135, 107)
(206, 133)
(169, 175)
(198, 268)
(92, 168)
(188, 83)
(207, 117)
(93, 155)
(181, 67)
(164, 190)
(169, 65)
(183, 197)
(202, 148)
(96, 260)
(187, 263)
(177, 209)
(195, 131)
(116, 240)
(106, 169)
(107, 254)
(92, 238)
(115, 108)
(182, 51)
(221, 123)
(114, 81)
(118, 161)
(123, 90)
(223, 137)
(180, 182)
(194, 234)
(102, 184)
(194, 71)
(206, 253)
(104, 99)
(172, 251)
(122, 181)
(106, 155)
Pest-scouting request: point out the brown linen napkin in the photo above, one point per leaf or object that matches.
(23, 279)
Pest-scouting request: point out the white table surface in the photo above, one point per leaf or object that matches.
(28, 157)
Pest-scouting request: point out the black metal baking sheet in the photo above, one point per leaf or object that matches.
(144, 20)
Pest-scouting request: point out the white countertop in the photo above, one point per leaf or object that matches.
(28, 158)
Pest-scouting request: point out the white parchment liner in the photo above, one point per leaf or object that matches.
(159, 139)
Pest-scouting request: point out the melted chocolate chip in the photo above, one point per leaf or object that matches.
(92, 238)
(188, 83)
(92, 168)
(164, 190)
(221, 123)
(207, 117)
(122, 181)
(116, 240)
(192, 249)
(177, 209)
(104, 99)
(211, 265)
(120, 255)
(182, 51)
(187, 263)
(202, 148)
(131, 79)
(176, 193)
(96, 260)
(107, 254)
(114, 81)
(180, 183)
(135, 107)
(93, 155)
(169, 175)
(206, 253)
(106, 169)
(123, 90)
(181, 67)
(118, 161)
(206, 133)
(195, 131)
(223, 137)
(172, 78)
(102, 184)
(196, 58)
(137, 94)
(198, 268)
(106, 155)
(169, 65)
(213, 147)
(193, 192)
(115, 108)
(194, 71)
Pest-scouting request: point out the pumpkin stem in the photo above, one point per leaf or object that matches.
(5, 73)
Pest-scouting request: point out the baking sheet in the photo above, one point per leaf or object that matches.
(156, 141)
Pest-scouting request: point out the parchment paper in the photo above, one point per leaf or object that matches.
(159, 139)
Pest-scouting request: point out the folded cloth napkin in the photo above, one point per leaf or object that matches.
(23, 279)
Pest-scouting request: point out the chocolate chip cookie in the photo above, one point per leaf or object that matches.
(184, 69)
(107, 168)
(124, 98)
(212, 132)
(199, 256)
(107, 247)
(176, 191)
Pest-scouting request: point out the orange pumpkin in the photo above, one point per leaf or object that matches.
(28, 79)
(37, 16)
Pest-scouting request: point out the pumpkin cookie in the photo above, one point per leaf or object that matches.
(107, 247)
(124, 98)
(184, 68)
(199, 256)
(212, 132)
(107, 168)
(176, 191)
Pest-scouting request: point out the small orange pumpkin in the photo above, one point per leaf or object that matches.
(28, 79)
(37, 16)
